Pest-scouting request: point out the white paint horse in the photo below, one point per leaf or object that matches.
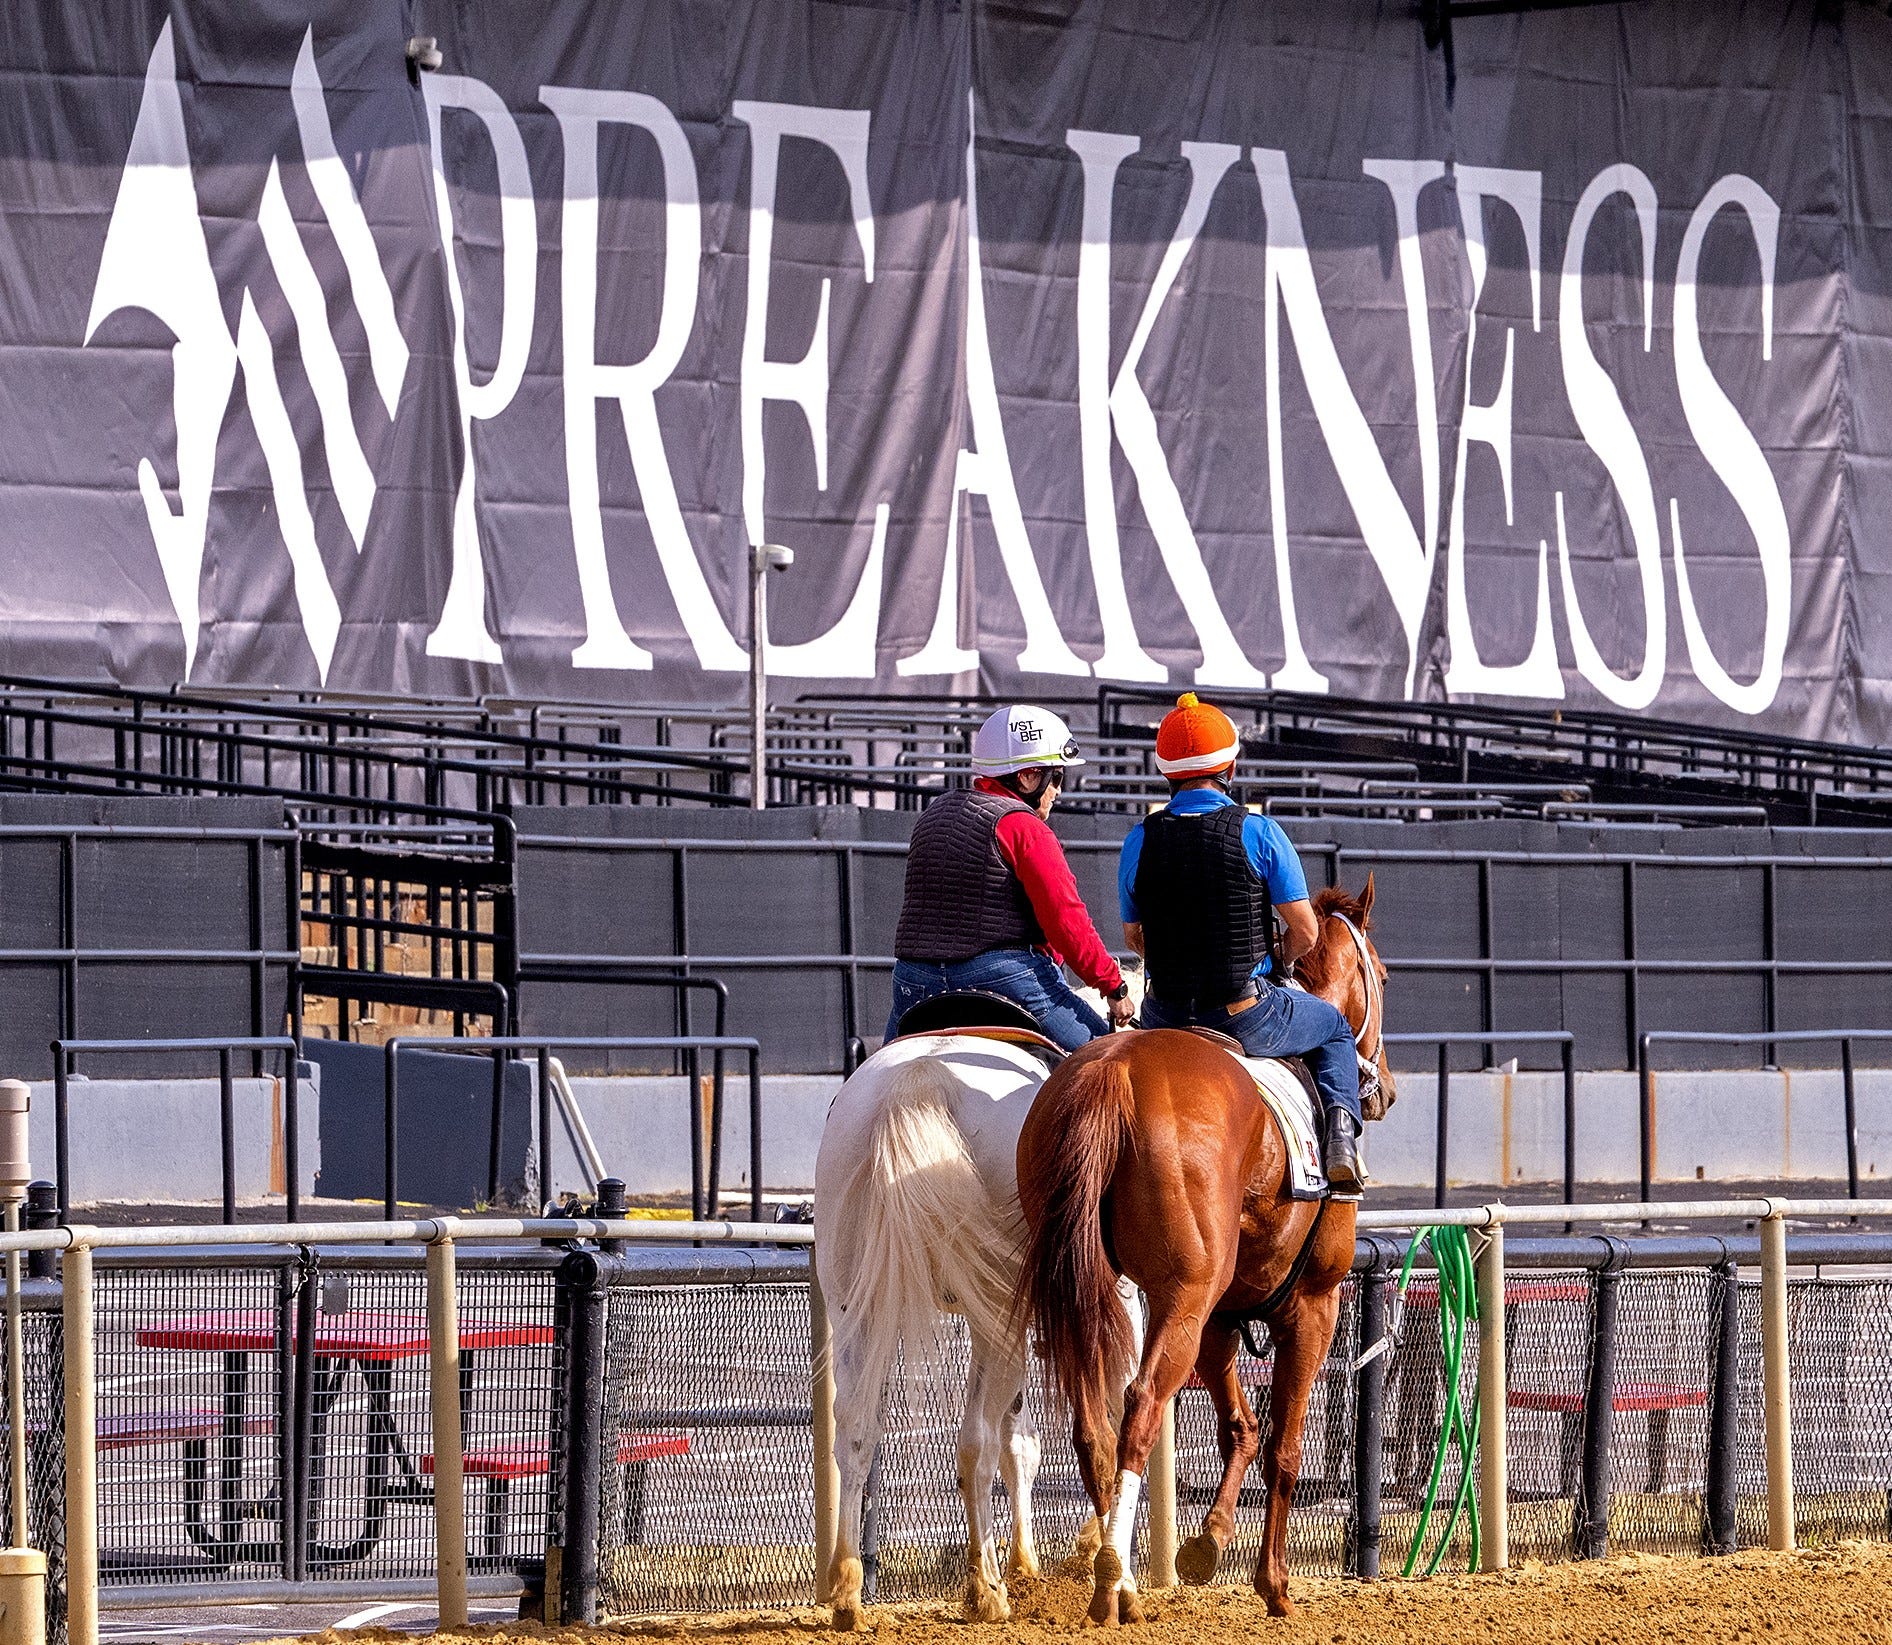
(916, 1213)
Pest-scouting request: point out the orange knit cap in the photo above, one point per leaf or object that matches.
(1196, 739)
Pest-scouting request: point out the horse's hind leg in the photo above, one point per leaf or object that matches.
(1096, 1478)
(857, 1425)
(1171, 1349)
(1303, 1333)
(1019, 1454)
(990, 1389)
(1240, 1438)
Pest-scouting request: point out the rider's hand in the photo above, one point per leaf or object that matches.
(1122, 1012)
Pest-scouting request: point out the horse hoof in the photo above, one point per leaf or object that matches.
(1129, 1607)
(1197, 1559)
(1103, 1611)
(985, 1604)
(1089, 1540)
(846, 1590)
(1022, 1564)
(1278, 1604)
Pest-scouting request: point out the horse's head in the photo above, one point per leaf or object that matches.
(1344, 968)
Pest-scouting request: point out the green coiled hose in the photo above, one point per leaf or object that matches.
(1458, 1306)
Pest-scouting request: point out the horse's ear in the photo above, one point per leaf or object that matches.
(1366, 899)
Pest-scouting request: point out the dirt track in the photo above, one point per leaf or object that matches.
(1833, 1596)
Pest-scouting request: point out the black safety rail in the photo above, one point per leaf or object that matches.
(685, 867)
(397, 760)
(612, 974)
(66, 1052)
(98, 940)
(1566, 1043)
(449, 914)
(1602, 960)
(1624, 922)
(705, 1187)
(1635, 759)
(374, 764)
(1844, 1038)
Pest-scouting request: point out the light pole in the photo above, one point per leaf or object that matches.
(763, 558)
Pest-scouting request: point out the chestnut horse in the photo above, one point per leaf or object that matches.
(1153, 1155)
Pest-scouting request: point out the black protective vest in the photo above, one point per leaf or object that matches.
(1206, 919)
(962, 897)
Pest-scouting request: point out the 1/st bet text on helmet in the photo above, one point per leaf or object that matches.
(1020, 738)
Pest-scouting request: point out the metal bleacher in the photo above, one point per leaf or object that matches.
(432, 772)
(449, 858)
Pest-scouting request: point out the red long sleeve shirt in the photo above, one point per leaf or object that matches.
(1034, 855)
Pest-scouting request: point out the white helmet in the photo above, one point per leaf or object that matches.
(1021, 737)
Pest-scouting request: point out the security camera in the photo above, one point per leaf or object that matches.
(423, 53)
(773, 557)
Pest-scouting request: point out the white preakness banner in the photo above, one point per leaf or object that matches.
(1211, 343)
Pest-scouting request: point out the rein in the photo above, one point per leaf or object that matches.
(1375, 1015)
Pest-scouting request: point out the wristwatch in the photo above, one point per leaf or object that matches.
(1120, 992)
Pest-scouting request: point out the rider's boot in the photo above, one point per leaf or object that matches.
(1340, 1152)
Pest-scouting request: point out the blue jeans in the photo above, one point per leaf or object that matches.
(1284, 1022)
(1020, 974)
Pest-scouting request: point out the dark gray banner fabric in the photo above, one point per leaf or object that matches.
(1188, 341)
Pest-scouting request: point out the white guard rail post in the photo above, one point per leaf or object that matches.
(1163, 1533)
(1776, 1380)
(443, 1334)
(827, 1472)
(1494, 1493)
(82, 1484)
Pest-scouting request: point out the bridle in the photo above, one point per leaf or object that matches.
(1374, 1018)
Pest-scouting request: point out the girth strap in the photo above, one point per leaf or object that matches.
(1280, 1294)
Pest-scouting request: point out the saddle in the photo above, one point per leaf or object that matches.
(1288, 1089)
(1215, 1036)
(977, 1013)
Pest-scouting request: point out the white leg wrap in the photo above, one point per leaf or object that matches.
(1123, 1519)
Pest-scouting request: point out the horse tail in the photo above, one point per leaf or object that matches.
(1068, 1289)
(920, 1228)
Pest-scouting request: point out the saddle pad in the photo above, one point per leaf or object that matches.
(1285, 1092)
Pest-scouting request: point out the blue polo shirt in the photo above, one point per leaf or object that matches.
(1270, 853)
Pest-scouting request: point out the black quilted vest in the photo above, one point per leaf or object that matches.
(962, 897)
(1206, 919)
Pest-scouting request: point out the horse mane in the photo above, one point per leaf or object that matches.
(1314, 969)
(1334, 899)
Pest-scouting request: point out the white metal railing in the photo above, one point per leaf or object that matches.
(443, 1235)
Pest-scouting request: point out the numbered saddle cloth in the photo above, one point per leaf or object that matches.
(1290, 1097)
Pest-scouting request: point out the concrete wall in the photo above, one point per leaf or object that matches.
(1785, 1125)
(642, 1129)
(1504, 1128)
(157, 1141)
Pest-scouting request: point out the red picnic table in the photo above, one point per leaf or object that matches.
(1411, 1369)
(334, 1345)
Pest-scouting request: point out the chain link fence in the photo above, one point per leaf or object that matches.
(1840, 1348)
(1667, 1327)
(263, 1417)
(214, 1376)
(46, 1443)
(707, 1452)
(1415, 1399)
